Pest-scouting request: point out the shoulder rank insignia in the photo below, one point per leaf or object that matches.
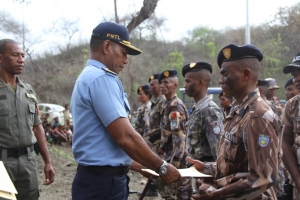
(263, 140)
(109, 71)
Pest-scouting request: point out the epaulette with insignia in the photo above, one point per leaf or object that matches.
(109, 71)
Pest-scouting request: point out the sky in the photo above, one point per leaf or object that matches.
(181, 15)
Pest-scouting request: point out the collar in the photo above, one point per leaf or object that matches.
(240, 109)
(18, 80)
(157, 99)
(99, 65)
(201, 101)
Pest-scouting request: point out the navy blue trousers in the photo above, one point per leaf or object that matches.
(92, 186)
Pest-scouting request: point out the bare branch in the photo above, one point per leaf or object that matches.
(145, 12)
(116, 12)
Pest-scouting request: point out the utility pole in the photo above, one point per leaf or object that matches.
(247, 28)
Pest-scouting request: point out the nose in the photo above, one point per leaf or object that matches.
(21, 59)
(221, 81)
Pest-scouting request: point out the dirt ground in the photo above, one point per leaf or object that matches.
(65, 168)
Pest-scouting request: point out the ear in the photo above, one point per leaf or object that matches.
(106, 47)
(246, 74)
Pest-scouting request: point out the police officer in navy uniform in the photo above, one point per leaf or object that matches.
(20, 125)
(105, 145)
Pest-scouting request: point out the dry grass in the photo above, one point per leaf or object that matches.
(65, 168)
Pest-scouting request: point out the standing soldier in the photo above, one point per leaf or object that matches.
(20, 125)
(206, 119)
(174, 117)
(271, 96)
(154, 135)
(247, 162)
(142, 118)
(291, 129)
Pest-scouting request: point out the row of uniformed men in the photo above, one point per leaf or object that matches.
(168, 119)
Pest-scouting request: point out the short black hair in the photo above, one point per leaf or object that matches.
(95, 43)
(3, 43)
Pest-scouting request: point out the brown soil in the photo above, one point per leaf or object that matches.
(65, 168)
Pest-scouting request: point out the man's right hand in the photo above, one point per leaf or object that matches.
(172, 176)
(197, 164)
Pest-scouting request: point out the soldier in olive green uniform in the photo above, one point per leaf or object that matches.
(20, 125)
(173, 134)
(291, 129)
(206, 119)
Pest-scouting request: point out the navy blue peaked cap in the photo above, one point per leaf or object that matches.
(116, 33)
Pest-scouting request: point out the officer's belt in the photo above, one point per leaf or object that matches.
(16, 152)
(107, 170)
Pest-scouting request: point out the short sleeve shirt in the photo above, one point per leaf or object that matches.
(97, 100)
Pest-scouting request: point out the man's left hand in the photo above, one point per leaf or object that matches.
(207, 192)
(49, 174)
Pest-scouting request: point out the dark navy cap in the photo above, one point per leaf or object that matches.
(154, 76)
(194, 67)
(295, 63)
(234, 52)
(167, 74)
(143, 88)
(272, 83)
(116, 33)
(289, 82)
(262, 83)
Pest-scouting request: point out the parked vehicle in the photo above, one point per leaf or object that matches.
(54, 110)
(189, 101)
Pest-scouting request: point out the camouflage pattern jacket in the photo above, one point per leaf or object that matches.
(203, 130)
(277, 106)
(291, 117)
(247, 162)
(142, 119)
(155, 118)
(173, 133)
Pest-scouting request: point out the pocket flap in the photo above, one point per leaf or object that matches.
(31, 108)
(3, 110)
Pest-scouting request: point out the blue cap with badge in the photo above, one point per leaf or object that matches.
(154, 76)
(143, 88)
(194, 67)
(234, 52)
(116, 33)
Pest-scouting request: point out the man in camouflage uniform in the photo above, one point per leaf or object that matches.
(20, 125)
(247, 162)
(206, 119)
(142, 117)
(263, 86)
(273, 87)
(157, 102)
(173, 133)
(291, 129)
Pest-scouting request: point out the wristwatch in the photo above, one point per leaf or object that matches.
(163, 169)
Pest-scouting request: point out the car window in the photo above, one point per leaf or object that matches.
(48, 109)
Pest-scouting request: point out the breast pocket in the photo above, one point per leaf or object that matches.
(229, 150)
(4, 115)
(194, 129)
(31, 111)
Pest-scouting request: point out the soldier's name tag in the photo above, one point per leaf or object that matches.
(3, 97)
(31, 96)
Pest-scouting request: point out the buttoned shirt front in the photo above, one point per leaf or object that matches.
(97, 100)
